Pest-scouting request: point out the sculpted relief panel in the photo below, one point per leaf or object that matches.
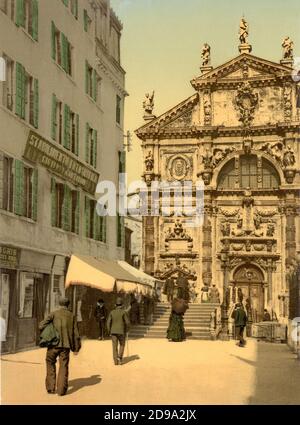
(268, 110)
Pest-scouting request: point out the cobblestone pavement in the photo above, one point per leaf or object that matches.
(159, 372)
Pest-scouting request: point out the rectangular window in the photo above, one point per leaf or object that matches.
(62, 50)
(27, 16)
(115, 43)
(8, 84)
(95, 226)
(89, 79)
(26, 295)
(27, 197)
(8, 184)
(27, 96)
(25, 188)
(118, 109)
(59, 194)
(91, 147)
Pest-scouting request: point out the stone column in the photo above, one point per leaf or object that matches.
(207, 244)
(269, 279)
(226, 295)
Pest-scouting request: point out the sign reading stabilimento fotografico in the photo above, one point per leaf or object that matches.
(41, 151)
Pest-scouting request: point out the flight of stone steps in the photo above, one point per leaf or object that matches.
(196, 322)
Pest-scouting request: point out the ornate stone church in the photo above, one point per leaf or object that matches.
(239, 133)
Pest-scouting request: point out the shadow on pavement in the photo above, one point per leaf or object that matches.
(277, 375)
(131, 358)
(77, 384)
(19, 361)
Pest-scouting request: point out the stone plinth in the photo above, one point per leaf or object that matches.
(245, 48)
(205, 69)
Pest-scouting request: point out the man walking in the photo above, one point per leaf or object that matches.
(240, 321)
(117, 325)
(69, 340)
(100, 315)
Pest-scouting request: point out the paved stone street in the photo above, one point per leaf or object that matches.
(159, 372)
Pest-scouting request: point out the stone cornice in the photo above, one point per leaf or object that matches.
(195, 131)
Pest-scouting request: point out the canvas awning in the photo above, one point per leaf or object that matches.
(143, 277)
(104, 275)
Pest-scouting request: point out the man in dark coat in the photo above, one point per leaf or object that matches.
(170, 284)
(69, 340)
(240, 320)
(117, 325)
(101, 315)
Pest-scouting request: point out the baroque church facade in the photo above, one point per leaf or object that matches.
(239, 134)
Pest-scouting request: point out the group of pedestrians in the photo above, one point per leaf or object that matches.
(59, 333)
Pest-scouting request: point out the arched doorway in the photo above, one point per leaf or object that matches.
(249, 280)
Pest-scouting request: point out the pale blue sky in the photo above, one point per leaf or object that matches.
(162, 41)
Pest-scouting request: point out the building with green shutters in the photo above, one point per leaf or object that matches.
(61, 121)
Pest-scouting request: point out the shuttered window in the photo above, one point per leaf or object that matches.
(67, 127)
(120, 231)
(20, 13)
(61, 49)
(118, 109)
(25, 190)
(27, 16)
(6, 182)
(91, 145)
(54, 117)
(20, 90)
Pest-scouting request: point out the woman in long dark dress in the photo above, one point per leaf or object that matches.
(176, 332)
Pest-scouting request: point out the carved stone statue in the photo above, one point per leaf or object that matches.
(148, 103)
(205, 55)
(225, 229)
(288, 46)
(244, 31)
(206, 159)
(270, 230)
(149, 161)
(288, 157)
(214, 295)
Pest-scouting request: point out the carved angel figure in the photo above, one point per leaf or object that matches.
(205, 55)
(288, 157)
(148, 103)
(288, 46)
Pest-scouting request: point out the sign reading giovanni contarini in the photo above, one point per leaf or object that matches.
(52, 157)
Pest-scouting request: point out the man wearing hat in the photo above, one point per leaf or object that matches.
(117, 325)
(100, 315)
(69, 340)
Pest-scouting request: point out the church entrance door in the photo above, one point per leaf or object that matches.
(249, 281)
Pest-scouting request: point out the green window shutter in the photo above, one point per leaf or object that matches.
(20, 90)
(95, 142)
(86, 77)
(53, 117)
(75, 8)
(20, 13)
(77, 136)
(96, 224)
(77, 213)
(64, 52)
(104, 228)
(19, 188)
(53, 202)
(65, 2)
(85, 20)
(53, 41)
(66, 209)
(67, 127)
(94, 85)
(87, 211)
(87, 142)
(122, 161)
(34, 193)
(36, 104)
(35, 19)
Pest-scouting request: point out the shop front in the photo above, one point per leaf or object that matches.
(29, 288)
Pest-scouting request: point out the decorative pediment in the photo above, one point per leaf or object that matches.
(241, 67)
(178, 117)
